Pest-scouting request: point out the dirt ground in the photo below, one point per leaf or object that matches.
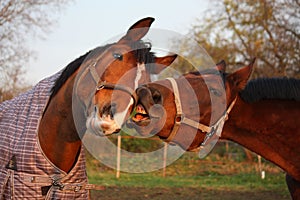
(134, 193)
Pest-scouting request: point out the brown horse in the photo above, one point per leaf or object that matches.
(263, 115)
(42, 154)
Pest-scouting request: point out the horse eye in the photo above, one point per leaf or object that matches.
(215, 92)
(118, 56)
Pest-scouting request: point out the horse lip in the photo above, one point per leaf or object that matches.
(134, 119)
(143, 122)
(132, 123)
(146, 108)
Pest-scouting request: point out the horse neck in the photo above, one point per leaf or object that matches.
(271, 128)
(58, 136)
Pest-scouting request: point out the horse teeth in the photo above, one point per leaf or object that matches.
(140, 109)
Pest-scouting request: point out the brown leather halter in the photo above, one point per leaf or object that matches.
(102, 84)
(180, 118)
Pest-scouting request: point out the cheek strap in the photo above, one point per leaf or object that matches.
(180, 118)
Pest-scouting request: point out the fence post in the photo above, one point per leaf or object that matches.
(261, 171)
(165, 158)
(118, 156)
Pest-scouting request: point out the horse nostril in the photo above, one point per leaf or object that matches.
(156, 96)
(113, 109)
(117, 130)
(110, 109)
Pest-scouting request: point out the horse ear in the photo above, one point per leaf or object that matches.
(138, 30)
(240, 77)
(221, 66)
(162, 62)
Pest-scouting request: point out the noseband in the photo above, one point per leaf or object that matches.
(101, 84)
(180, 118)
(112, 86)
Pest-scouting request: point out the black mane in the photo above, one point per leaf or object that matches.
(271, 88)
(141, 51)
(66, 73)
(143, 54)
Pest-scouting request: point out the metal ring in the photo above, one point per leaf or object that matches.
(100, 87)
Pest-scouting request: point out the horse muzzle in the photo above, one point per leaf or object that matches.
(101, 126)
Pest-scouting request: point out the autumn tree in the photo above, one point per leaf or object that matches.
(239, 30)
(19, 21)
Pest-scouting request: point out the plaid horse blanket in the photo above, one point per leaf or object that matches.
(25, 172)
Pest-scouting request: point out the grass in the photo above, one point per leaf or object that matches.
(239, 181)
(189, 174)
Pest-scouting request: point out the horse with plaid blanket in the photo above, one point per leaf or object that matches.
(41, 154)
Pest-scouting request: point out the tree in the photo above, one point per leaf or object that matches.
(239, 30)
(20, 20)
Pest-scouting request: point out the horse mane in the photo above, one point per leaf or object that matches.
(66, 73)
(143, 54)
(271, 88)
(141, 51)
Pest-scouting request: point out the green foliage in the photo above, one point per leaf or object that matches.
(138, 144)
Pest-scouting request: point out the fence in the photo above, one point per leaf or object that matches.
(226, 144)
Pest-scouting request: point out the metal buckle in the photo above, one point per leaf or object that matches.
(58, 184)
(208, 136)
(179, 118)
(77, 188)
(100, 85)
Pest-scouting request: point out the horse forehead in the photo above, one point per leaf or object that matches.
(211, 76)
(126, 65)
(160, 85)
(122, 48)
(213, 80)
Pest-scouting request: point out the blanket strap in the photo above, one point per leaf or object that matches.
(55, 182)
(11, 167)
(10, 175)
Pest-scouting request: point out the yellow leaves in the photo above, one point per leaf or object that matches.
(258, 44)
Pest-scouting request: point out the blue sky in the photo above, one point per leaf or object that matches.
(86, 24)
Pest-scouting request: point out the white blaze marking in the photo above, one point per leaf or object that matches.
(120, 117)
(106, 125)
(140, 69)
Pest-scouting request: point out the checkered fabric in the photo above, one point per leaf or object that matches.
(25, 172)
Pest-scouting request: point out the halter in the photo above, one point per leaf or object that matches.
(102, 84)
(112, 86)
(180, 118)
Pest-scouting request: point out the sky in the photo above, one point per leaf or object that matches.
(86, 24)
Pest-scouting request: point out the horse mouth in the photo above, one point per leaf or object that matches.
(140, 115)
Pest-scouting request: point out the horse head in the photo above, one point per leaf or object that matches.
(117, 70)
(191, 110)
